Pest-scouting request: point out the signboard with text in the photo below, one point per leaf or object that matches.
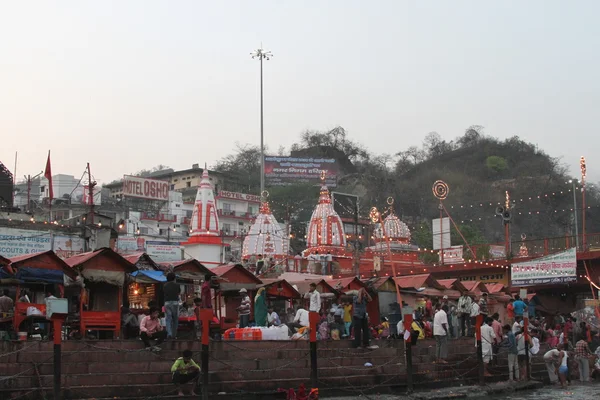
(143, 188)
(453, 255)
(19, 242)
(286, 171)
(497, 252)
(239, 196)
(556, 268)
(68, 246)
(164, 251)
(129, 244)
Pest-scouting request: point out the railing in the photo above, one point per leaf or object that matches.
(236, 214)
(158, 217)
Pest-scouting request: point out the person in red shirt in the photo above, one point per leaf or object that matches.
(510, 312)
(429, 308)
(151, 329)
(205, 293)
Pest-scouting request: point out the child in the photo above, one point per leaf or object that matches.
(185, 370)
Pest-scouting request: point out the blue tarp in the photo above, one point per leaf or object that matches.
(5, 275)
(157, 276)
(40, 275)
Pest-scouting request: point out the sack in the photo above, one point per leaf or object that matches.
(335, 334)
(31, 310)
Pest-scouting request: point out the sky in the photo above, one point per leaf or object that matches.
(127, 85)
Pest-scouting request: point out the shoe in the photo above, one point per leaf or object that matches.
(373, 347)
(156, 349)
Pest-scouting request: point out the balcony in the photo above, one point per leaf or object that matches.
(158, 217)
(234, 214)
(186, 221)
(232, 234)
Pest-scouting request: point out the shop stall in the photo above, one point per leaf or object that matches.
(351, 284)
(416, 289)
(454, 288)
(280, 295)
(327, 292)
(231, 279)
(37, 275)
(475, 288)
(104, 272)
(145, 282)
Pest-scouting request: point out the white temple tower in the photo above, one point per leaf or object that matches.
(205, 242)
(265, 236)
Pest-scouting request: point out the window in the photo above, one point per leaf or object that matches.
(173, 186)
(227, 228)
(177, 205)
(144, 231)
(175, 180)
(162, 232)
(188, 184)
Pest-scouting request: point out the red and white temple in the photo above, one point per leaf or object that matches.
(205, 243)
(265, 237)
(325, 230)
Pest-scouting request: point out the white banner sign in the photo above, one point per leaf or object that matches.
(128, 245)
(19, 242)
(68, 246)
(453, 255)
(556, 268)
(164, 251)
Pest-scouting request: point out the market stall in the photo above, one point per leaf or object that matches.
(145, 282)
(280, 295)
(352, 284)
(104, 272)
(37, 275)
(231, 279)
(415, 289)
(327, 292)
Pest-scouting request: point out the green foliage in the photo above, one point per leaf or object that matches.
(496, 164)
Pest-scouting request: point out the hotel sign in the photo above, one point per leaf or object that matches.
(143, 188)
(239, 196)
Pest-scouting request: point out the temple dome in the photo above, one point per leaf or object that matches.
(325, 230)
(395, 230)
(265, 236)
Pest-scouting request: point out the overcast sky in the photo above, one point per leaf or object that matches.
(128, 85)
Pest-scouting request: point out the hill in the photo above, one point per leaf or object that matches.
(479, 169)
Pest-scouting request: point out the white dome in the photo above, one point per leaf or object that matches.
(265, 236)
(395, 229)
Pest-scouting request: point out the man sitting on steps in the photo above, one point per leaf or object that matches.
(185, 370)
(151, 329)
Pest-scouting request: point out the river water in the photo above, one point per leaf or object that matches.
(576, 392)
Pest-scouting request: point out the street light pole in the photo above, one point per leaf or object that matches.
(261, 54)
(575, 215)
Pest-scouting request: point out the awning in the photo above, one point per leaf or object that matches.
(148, 276)
(40, 275)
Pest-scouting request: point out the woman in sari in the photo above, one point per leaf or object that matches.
(260, 307)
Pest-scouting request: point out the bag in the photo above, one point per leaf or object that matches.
(335, 334)
(31, 310)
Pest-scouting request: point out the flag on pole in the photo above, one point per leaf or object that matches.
(48, 175)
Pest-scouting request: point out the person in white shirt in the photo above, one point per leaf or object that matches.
(440, 332)
(315, 298)
(516, 328)
(300, 320)
(475, 311)
(551, 360)
(487, 339)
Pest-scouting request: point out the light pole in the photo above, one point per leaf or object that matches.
(261, 54)
(573, 181)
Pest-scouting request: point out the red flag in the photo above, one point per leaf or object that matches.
(48, 175)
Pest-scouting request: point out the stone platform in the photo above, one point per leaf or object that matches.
(240, 370)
